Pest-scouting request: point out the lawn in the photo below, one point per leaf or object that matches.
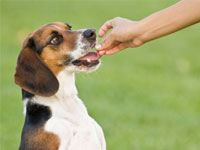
(145, 98)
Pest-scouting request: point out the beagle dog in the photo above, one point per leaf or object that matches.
(55, 118)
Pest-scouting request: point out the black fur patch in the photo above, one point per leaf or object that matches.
(34, 45)
(39, 51)
(26, 94)
(69, 26)
(36, 116)
(31, 44)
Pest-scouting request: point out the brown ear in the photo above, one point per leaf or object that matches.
(32, 74)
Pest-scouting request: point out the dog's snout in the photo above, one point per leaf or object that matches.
(90, 34)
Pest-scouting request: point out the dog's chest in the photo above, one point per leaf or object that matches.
(72, 124)
(75, 134)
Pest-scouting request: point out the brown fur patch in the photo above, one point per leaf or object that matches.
(61, 25)
(39, 139)
(53, 59)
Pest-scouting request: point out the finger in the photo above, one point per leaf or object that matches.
(106, 43)
(117, 48)
(101, 53)
(98, 47)
(109, 41)
(104, 28)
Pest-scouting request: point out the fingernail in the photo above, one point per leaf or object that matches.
(101, 53)
(100, 33)
(98, 46)
(107, 53)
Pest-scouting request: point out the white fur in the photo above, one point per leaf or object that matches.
(80, 49)
(25, 101)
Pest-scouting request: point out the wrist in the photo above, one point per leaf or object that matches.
(138, 34)
(148, 28)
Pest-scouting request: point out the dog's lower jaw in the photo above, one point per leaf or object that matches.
(70, 120)
(72, 68)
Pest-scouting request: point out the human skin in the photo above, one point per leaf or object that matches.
(126, 33)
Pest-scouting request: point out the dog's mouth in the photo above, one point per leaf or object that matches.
(89, 60)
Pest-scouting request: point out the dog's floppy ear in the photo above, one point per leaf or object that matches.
(32, 74)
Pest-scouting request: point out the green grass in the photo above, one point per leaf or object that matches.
(147, 98)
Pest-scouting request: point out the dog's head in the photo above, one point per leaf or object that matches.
(51, 49)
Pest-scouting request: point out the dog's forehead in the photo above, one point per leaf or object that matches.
(48, 28)
(57, 26)
(60, 25)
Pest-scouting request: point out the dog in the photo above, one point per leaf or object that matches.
(55, 118)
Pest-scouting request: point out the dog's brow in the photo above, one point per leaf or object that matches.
(54, 32)
(50, 36)
(57, 27)
(69, 26)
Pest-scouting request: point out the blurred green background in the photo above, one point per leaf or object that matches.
(145, 98)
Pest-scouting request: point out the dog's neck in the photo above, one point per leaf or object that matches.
(66, 98)
(67, 87)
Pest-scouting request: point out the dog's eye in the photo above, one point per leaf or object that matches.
(55, 40)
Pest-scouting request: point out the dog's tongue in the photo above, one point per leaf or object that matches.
(92, 56)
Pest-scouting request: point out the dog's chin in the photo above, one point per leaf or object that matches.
(86, 68)
(73, 68)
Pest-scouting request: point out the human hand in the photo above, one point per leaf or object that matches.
(122, 36)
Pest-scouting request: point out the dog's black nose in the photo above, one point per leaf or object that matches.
(90, 34)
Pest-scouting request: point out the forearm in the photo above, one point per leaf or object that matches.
(176, 17)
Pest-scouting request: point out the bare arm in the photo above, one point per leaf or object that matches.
(127, 33)
(176, 17)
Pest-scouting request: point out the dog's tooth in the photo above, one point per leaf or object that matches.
(88, 60)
